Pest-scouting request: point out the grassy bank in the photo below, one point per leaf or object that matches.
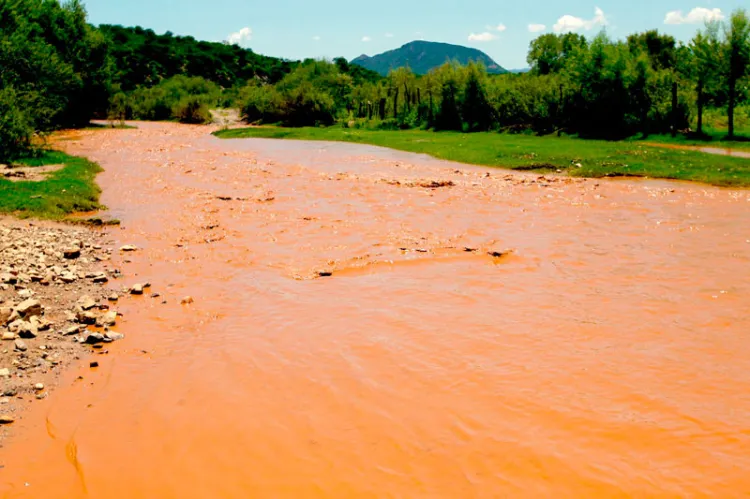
(70, 189)
(523, 152)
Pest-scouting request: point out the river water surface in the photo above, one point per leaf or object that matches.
(606, 355)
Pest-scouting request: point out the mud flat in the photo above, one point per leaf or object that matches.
(367, 323)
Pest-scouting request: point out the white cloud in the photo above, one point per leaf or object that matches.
(243, 35)
(366, 39)
(568, 23)
(500, 27)
(316, 38)
(482, 37)
(536, 28)
(389, 35)
(698, 15)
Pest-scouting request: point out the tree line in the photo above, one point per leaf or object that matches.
(58, 71)
(602, 88)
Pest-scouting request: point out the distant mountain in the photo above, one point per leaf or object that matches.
(423, 56)
(519, 71)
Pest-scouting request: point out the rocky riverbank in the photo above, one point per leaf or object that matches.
(57, 305)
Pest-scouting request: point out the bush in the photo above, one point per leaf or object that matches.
(192, 110)
(182, 98)
(16, 129)
(260, 103)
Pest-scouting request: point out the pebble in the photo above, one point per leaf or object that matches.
(93, 364)
(113, 297)
(4, 372)
(39, 386)
(187, 300)
(6, 419)
(20, 345)
(128, 247)
(137, 289)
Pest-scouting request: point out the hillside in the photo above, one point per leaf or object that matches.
(423, 56)
(142, 57)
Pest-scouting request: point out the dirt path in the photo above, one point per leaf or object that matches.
(720, 151)
(354, 334)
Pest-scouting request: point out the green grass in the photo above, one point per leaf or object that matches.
(69, 190)
(524, 152)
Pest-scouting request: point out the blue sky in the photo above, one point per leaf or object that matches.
(329, 28)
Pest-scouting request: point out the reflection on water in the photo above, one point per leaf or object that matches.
(606, 356)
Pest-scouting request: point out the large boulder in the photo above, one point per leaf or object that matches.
(29, 308)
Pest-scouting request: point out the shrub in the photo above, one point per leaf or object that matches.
(16, 129)
(192, 110)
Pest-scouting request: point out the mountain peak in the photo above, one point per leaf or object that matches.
(422, 56)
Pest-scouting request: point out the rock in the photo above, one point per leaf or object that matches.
(29, 308)
(68, 277)
(137, 289)
(39, 386)
(101, 278)
(128, 247)
(4, 372)
(8, 278)
(94, 338)
(27, 330)
(41, 323)
(325, 273)
(113, 297)
(20, 345)
(86, 317)
(14, 316)
(71, 253)
(498, 254)
(86, 302)
(108, 319)
(72, 330)
(5, 315)
(93, 364)
(25, 294)
(8, 336)
(6, 419)
(113, 336)
(187, 300)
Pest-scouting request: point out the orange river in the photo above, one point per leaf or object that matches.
(606, 353)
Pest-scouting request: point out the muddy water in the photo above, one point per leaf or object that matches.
(607, 355)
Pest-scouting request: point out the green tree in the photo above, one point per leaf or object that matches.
(476, 112)
(661, 49)
(549, 53)
(737, 56)
(704, 66)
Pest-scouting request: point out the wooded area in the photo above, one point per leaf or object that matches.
(58, 71)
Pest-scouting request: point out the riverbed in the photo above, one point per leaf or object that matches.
(372, 323)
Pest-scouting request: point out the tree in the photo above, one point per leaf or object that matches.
(661, 49)
(475, 111)
(737, 55)
(704, 67)
(549, 53)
